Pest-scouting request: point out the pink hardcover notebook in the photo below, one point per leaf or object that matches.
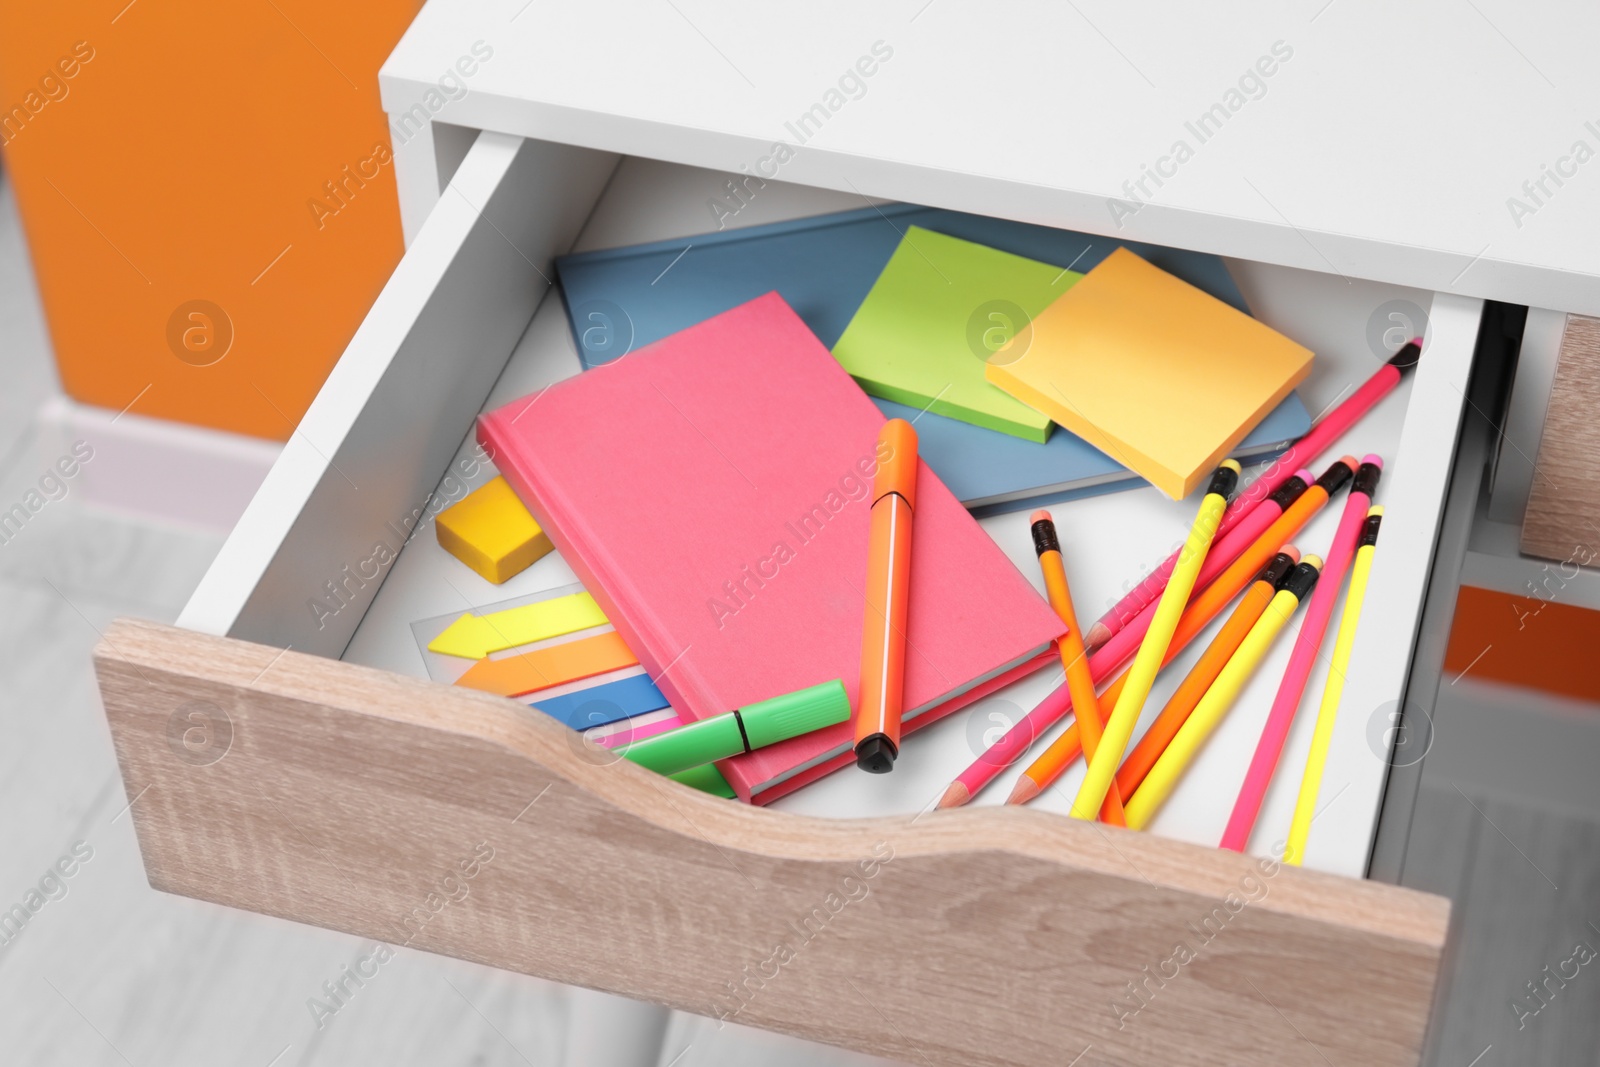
(711, 491)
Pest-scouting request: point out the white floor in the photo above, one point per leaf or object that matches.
(110, 972)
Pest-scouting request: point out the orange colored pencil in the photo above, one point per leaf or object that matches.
(1206, 605)
(1074, 660)
(1155, 740)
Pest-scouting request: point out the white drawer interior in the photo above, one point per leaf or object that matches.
(393, 426)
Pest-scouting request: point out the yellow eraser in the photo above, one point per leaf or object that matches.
(491, 532)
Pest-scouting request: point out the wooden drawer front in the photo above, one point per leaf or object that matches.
(451, 821)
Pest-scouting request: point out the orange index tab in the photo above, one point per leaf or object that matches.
(541, 668)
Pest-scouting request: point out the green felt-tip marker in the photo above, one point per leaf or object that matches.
(765, 722)
(707, 779)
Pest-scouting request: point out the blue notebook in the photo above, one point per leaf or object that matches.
(620, 299)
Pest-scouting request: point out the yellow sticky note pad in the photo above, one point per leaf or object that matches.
(491, 532)
(1160, 376)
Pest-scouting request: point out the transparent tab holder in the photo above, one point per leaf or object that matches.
(448, 669)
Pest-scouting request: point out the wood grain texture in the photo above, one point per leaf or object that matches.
(354, 799)
(1563, 517)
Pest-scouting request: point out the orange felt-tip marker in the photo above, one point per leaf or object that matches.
(883, 630)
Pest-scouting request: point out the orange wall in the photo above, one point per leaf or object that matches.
(1534, 641)
(168, 152)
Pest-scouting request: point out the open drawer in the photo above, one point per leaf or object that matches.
(269, 775)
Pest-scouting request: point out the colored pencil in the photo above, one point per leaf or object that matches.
(1109, 657)
(1074, 661)
(1146, 801)
(1205, 607)
(1055, 759)
(1300, 454)
(1102, 769)
(1311, 783)
(1245, 538)
(1131, 775)
(1105, 659)
(1247, 808)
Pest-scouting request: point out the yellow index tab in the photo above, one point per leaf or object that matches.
(476, 636)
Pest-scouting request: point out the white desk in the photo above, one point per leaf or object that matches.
(1373, 164)
(1385, 144)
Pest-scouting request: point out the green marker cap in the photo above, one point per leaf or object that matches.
(767, 722)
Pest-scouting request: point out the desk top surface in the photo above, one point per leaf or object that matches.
(1446, 146)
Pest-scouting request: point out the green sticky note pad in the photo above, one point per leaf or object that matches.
(939, 310)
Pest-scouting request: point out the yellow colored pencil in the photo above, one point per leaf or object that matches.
(1305, 807)
(1197, 728)
(1142, 675)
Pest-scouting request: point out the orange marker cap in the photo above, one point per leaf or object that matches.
(897, 462)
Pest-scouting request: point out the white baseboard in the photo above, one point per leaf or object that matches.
(155, 469)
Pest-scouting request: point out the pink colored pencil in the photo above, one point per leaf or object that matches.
(1111, 656)
(1303, 658)
(1017, 740)
(1300, 454)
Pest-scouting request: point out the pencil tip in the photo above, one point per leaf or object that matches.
(1026, 789)
(957, 795)
(1098, 635)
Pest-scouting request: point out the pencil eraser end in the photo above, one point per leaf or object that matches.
(1233, 465)
(1375, 460)
(1291, 551)
(1039, 516)
(1305, 476)
(1376, 509)
(1315, 561)
(1350, 461)
(1409, 356)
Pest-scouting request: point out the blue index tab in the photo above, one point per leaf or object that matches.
(600, 705)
